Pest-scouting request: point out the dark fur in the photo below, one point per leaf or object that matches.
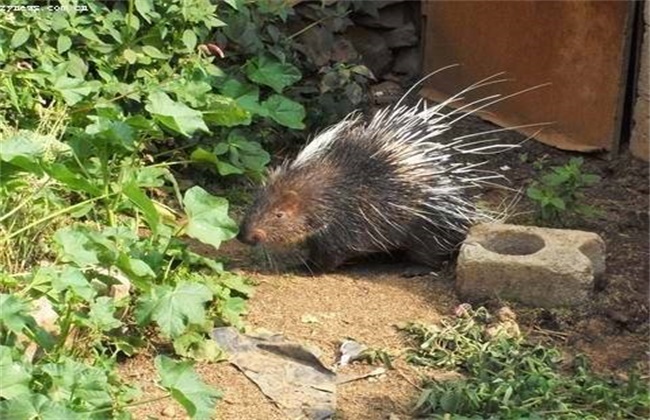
(330, 208)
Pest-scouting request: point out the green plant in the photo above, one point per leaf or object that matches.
(559, 193)
(506, 377)
(90, 102)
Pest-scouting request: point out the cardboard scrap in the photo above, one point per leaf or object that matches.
(287, 373)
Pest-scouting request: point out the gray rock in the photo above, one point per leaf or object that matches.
(389, 17)
(408, 63)
(343, 51)
(534, 266)
(404, 36)
(373, 49)
(317, 44)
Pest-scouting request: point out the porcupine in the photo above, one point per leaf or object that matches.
(381, 186)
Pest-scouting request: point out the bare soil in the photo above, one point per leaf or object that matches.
(366, 301)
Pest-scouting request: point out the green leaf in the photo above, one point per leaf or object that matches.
(225, 112)
(198, 347)
(101, 314)
(187, 388)
(231, 310)
(176, 116)
(558, 203)
(246, 96)
(74, 90)
(189, 39)
(77, 67)
(15, 377)
(226, 169)
(75, 247)
(63, 43)
(23, 150)
(233, 4)
(35, 406)
(154, 52)
(72, 180)
(144, 8)
(72, 380)
(130, 56)
(14, 314)
(285, 111)
(175, 309)
(208, 219)
(20, 37)
(203, 156)
(267, 71)
(534, 193)
(73, 279)
(236, 283)
(144, 203)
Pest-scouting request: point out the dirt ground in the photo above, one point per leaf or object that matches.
(364, 302)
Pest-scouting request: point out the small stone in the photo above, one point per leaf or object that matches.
(534, 266)
(169, 411)
(45, 315)
(506, 314)
(385, 93)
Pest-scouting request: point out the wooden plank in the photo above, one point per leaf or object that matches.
(640, 139)
(579, 47)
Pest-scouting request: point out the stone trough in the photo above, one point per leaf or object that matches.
(535, 266)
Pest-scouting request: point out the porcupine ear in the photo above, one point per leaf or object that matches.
(290, 203)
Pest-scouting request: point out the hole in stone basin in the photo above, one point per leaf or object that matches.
(513, 243)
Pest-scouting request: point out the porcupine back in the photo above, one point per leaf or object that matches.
(395, 183)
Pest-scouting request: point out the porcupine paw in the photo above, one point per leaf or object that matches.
(417, 270)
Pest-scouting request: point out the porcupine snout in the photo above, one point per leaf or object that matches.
(251, 236)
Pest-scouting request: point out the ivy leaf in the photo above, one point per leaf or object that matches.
(269, 72)
(285, 111)
(186, 387)
(174, 309)
(14, 314)
(176, 116)
(208, 219)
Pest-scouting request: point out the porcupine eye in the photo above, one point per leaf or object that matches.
(280, 214)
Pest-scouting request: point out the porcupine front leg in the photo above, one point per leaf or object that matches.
(324, 256)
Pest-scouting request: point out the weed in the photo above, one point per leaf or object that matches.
(559, 193)
(506, 377)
